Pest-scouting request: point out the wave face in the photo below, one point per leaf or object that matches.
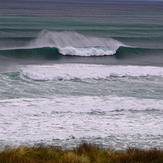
(33, 53)
(84, 71)
(132, 52)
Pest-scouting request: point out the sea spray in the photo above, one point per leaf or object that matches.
(73, 43)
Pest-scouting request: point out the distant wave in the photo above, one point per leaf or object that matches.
(52, 45)
(85, 71)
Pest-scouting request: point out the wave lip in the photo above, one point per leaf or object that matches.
(87, 52)
(85, 71)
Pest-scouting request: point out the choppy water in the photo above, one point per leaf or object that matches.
(81, 71)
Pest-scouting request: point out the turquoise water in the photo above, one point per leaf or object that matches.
(81, 71)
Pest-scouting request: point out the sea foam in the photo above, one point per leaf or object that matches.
(85, 71)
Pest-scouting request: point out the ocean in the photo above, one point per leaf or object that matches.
(76, 71)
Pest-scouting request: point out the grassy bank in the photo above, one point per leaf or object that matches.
(84, 153)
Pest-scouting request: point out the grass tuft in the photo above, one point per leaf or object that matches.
(84, 153)
(71, 157)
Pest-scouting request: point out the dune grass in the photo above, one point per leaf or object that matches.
(84, 153)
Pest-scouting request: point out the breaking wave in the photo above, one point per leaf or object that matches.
(54, 52)
(85, 71)
(53, 45)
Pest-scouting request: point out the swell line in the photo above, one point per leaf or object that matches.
(54, 52)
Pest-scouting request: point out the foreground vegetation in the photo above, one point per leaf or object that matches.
(84, 153)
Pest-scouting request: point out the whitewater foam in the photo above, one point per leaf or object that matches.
(85, 52)
(74, 104)
(71, 118)
(85, 71)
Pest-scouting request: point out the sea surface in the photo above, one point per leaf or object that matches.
(81, 71)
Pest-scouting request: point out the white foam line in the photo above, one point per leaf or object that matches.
(84, 104)
(85, 71)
